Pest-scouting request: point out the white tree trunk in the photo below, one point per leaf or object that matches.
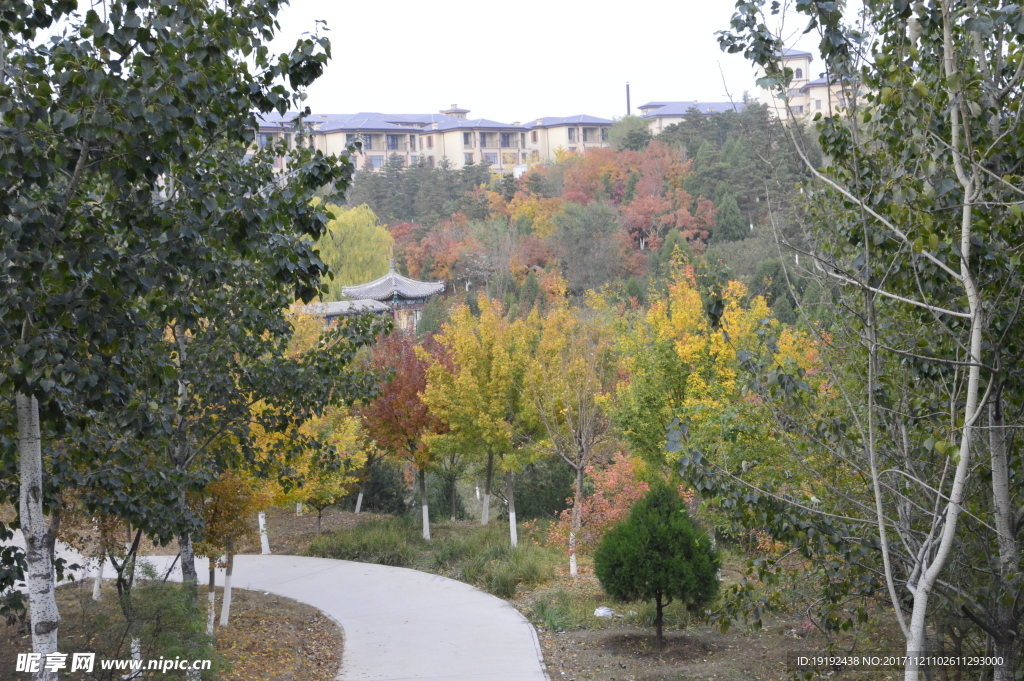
(510, 494)
(225, 608)
(298, 508)
(38, 539)
(423, 501)
(136, 648)
(485, 512)
(359, 502)
(573, 571)
(97, 583)
(264, 540)
(212, 612)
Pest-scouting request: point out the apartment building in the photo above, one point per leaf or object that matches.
(660, 115)
(574, 134)
(428, 138)
(807, 95)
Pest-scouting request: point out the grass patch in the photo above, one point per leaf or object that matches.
(477, 555)
(388, 541)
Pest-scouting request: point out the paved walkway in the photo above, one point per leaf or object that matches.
(400, 625)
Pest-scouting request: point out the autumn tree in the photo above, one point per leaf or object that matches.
(478, 392)
(570, 382)
(227, 505)
(399, 421)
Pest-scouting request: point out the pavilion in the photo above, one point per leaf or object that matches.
(405, 296)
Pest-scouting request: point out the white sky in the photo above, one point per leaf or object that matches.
(519, 61)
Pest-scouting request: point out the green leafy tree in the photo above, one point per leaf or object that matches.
(123, 178)
(630, 132)
(658, 554)
(916, 226)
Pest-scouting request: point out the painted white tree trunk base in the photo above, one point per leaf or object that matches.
(426, 522)
(513, 530)
(485, 511)
(225, 608)
(97, 584)
(212, 614)
(359, 502)
(573, 569)
(298, 508)
(136, 647)
(264, 540)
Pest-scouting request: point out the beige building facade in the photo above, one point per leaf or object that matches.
(808, 94)
(429, 138)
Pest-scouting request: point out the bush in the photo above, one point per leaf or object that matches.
(657, 554)
(439, 495)
(164, 618)
(392, 541)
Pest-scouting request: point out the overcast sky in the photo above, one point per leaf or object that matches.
(519, 61)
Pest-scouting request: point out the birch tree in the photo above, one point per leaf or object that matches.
(916, 226)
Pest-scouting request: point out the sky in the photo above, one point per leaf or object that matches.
(519, 61)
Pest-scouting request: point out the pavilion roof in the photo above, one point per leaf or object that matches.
(393, 285)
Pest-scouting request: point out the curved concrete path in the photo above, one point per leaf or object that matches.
(399, 624)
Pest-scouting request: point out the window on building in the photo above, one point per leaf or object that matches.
(588, 136)
(522, 140)
(572, 134)
(467, 139)
(288, 140)
(483, 140)
(491, 158)
(572, 150)
(798, 109)
(430, 161)
(351, 138)
(507, 140)
(430, 143)
(377, 161)
(604, 134)
(265, 139)
(392, 142)
(414, 160)
(799, 73)
(367, 142)
(817, 104)
(412, 142)
(533, 136)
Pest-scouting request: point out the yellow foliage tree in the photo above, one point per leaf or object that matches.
(478, 392)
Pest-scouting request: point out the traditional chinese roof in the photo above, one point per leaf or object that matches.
(393, 285)
(343, 308)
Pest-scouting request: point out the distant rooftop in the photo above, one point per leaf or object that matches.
(659, 109)
(583, 119)
(449, 119)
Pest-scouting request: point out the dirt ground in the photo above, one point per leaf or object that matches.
(269, 638)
